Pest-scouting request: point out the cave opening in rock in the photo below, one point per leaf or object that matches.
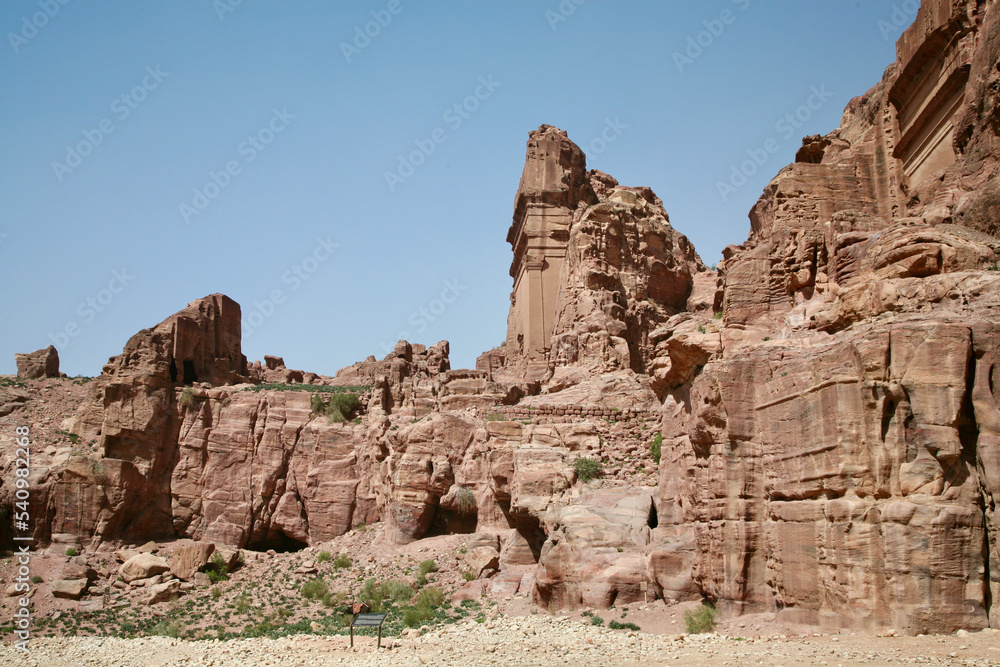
(279, 542)
(653, 521)
(190, 377)
(173, 370)
(452, 522)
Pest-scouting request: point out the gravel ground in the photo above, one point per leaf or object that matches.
(526, 641)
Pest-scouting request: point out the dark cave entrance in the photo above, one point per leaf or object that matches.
(653, 521)
(190, 377)
(451, 522)
(277, 541)
(173, 370)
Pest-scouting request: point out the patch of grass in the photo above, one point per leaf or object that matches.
(465, 501)
(468, 576)
(71, 552)
(36, 579)
(494, 417)
(587, 469)
(342, 561)
(315, 589)
(428, 566)
(216, 593)
(701, 328)
(323, 556)
(701, 620)
(717, 316)
(187, 397)
(656, 446)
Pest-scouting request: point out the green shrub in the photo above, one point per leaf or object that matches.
(71, 552)
(323, 556)
(701, 620)
(187, 397)
(315, 589)
(414, 616)
(373, 594)
(587, 469)
(465, 501)
(242, 604)
(468, 576)
(342, 407)
(656, 446)
(217, 569)
(596, 620)
(430, 598)
(342, 561)
(316, 404)
(495, 417)
(615, 625)
(216, 593)
(167, 628)
(428, 566)
(36, 579)
(718, 315)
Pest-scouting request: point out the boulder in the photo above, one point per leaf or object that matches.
(70, 589)
(163, 592)
(190, 558)
(143, 566)
(481, 558)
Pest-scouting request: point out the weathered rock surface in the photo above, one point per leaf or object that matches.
(187, 560)
(826, 404)
(38, 364)
(71, 589)
(596, 267)
(142, 566)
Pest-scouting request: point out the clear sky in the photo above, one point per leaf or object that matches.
(157, 152)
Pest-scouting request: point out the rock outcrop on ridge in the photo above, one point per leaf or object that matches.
(811, 431)
(38, 364)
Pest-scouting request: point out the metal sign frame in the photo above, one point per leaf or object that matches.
(368, 621)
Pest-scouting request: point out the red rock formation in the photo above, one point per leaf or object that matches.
(596, 267)
(38, 364)
(832, 459)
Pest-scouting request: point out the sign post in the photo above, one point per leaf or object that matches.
(368, 621)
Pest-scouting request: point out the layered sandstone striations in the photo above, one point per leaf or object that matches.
(826, 405)
(835, 458)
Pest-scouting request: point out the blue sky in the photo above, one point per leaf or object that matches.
(156, 152)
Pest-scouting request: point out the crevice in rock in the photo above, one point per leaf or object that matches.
(653, 520)
(278, 541)
(987, 577)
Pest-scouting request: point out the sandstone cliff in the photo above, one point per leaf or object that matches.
(812, 431)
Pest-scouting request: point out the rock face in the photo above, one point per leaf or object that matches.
(813, 431)
(596, 267)
(38, 364)
(834, 459)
